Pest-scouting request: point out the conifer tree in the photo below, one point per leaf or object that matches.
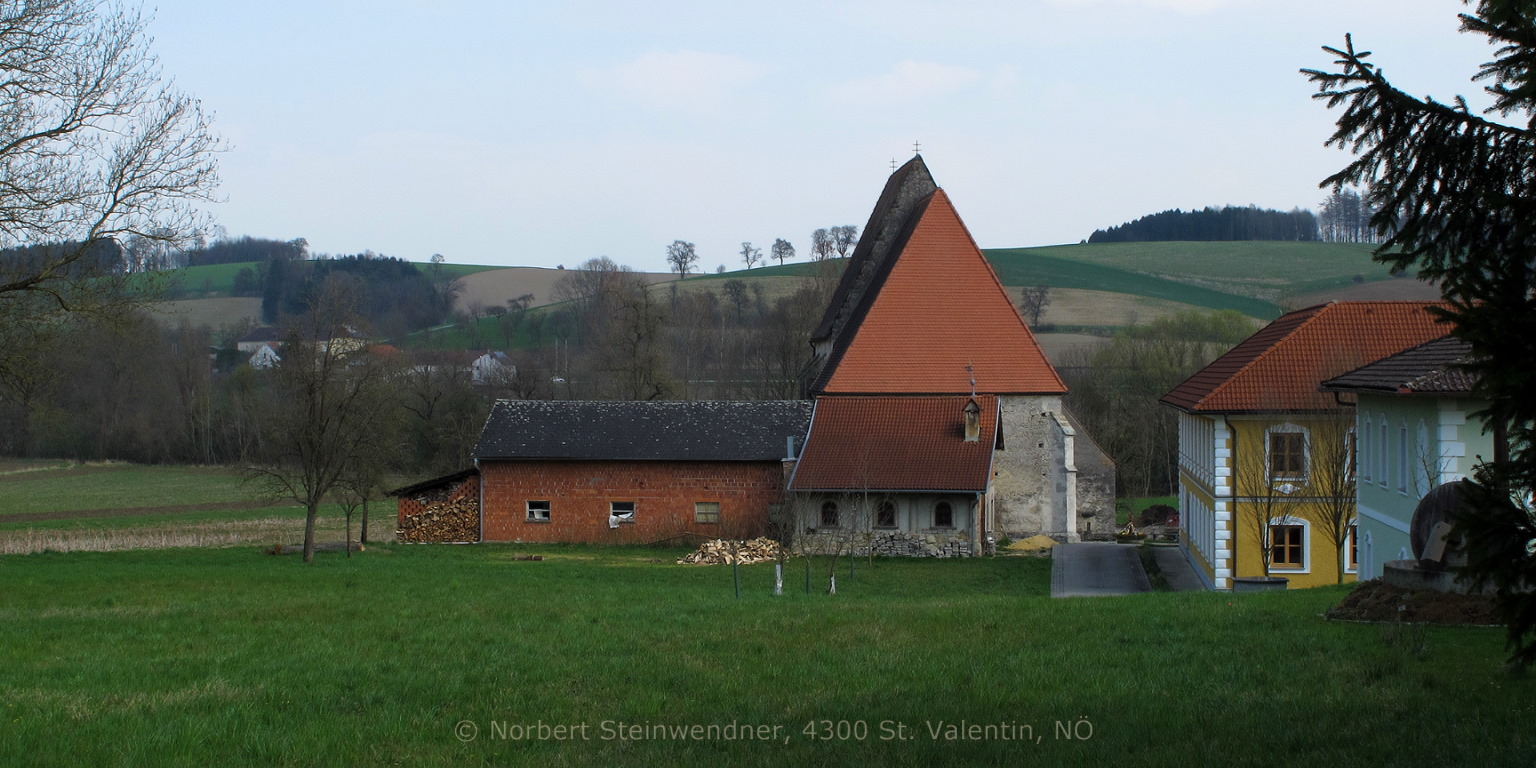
(1453, 194)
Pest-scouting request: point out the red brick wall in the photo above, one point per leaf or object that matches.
(663, 491)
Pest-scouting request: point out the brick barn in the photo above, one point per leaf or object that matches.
(932, 423)
(634, 472)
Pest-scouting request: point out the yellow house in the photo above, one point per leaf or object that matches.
(1266, 460)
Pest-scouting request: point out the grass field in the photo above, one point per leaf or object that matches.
(1268, 270)
(65, 507)
(1049, 266)
(440, 655)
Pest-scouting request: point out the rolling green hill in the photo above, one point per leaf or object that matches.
(1253, 278)
(1266, 270)
(1040, 266)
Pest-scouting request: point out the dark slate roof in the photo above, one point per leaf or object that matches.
(711, 430)
(906, 192)
(1428, 369)
(436, 482)
(897, 444)
(261, 333)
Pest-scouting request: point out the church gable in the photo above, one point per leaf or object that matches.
(935, 319)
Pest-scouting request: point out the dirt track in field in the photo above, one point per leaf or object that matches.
(171, 509)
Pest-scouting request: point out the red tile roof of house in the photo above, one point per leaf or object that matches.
(896, 444)
(1280, 367)
(933, 310)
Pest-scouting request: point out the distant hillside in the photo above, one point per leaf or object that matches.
(1270, 271)
(1097, 286)
(1056, 268)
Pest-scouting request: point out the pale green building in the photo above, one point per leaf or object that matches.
(1413, 431)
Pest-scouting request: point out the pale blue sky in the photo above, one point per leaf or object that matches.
(543, 133)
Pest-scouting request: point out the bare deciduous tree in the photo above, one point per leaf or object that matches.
(681, 256)
(782, 250)
(844, 238)
(1032, 303)
(94, 146)
(319, 422)
(821, 245)
(750, 255)
(1332, 482)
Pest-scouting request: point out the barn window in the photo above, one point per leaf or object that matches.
(538, 511)
(885, 514)
(706, 511)
(621, 512)
(943, 515)
(829, 514)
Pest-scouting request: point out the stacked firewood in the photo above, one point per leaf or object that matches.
(442, 521)
(721, 552)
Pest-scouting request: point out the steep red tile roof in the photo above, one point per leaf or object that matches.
(936, 308)
(1280, 367)
(896, 444)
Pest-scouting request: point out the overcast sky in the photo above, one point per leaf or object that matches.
(544, 133)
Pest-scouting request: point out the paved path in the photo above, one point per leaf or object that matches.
(1096, 568)
(1177, 570)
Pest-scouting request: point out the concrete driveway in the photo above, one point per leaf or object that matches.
(1096, 569)
(1101, 569)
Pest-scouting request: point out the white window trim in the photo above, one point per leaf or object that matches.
(1366, 454)
(1383, 451)
(1353, 538)
(1404, 468)
(1306, 545)
(1351, 451)
(1306, 454)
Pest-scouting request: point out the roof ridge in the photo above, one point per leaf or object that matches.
(1316, 310)
(992, 273)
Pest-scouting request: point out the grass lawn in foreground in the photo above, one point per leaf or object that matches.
(399, 655)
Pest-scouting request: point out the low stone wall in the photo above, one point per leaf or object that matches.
(893, 544)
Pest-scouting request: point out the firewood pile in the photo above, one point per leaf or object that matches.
(455, 520)
(718, 552)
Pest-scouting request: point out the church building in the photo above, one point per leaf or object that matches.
(938, 422)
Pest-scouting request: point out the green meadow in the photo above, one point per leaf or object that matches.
(470, 655)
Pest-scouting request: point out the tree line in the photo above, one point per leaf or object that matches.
(1212, 224)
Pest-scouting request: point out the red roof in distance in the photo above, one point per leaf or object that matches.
(939, 309)
(896, 444)
(1280, 367)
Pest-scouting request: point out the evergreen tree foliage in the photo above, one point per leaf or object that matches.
(1454, 196)
(1226, 223)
